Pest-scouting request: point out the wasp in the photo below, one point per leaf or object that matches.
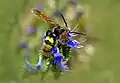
(62, 34)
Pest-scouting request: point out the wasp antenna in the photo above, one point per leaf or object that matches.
(79, 33)
(64, 20)
(75, 27)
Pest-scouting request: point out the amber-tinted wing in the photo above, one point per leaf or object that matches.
(38, 13)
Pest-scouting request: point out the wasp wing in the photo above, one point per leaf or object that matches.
(38, 13)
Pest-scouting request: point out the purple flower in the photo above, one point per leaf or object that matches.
(44, 37)
(31, 30)
(30, 67)
(58, 58)
(64, 67)
(39, 6)
(74, 44)
(38, 67)
(74, 2)
(57, 13)
(69, 35)
(23, 45)
(55, 50)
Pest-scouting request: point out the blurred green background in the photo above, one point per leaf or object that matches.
(103, 24)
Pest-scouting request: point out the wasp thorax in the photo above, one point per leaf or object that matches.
(63, 37)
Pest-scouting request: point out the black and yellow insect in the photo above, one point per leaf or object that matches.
(60, 32)
(48, 44)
